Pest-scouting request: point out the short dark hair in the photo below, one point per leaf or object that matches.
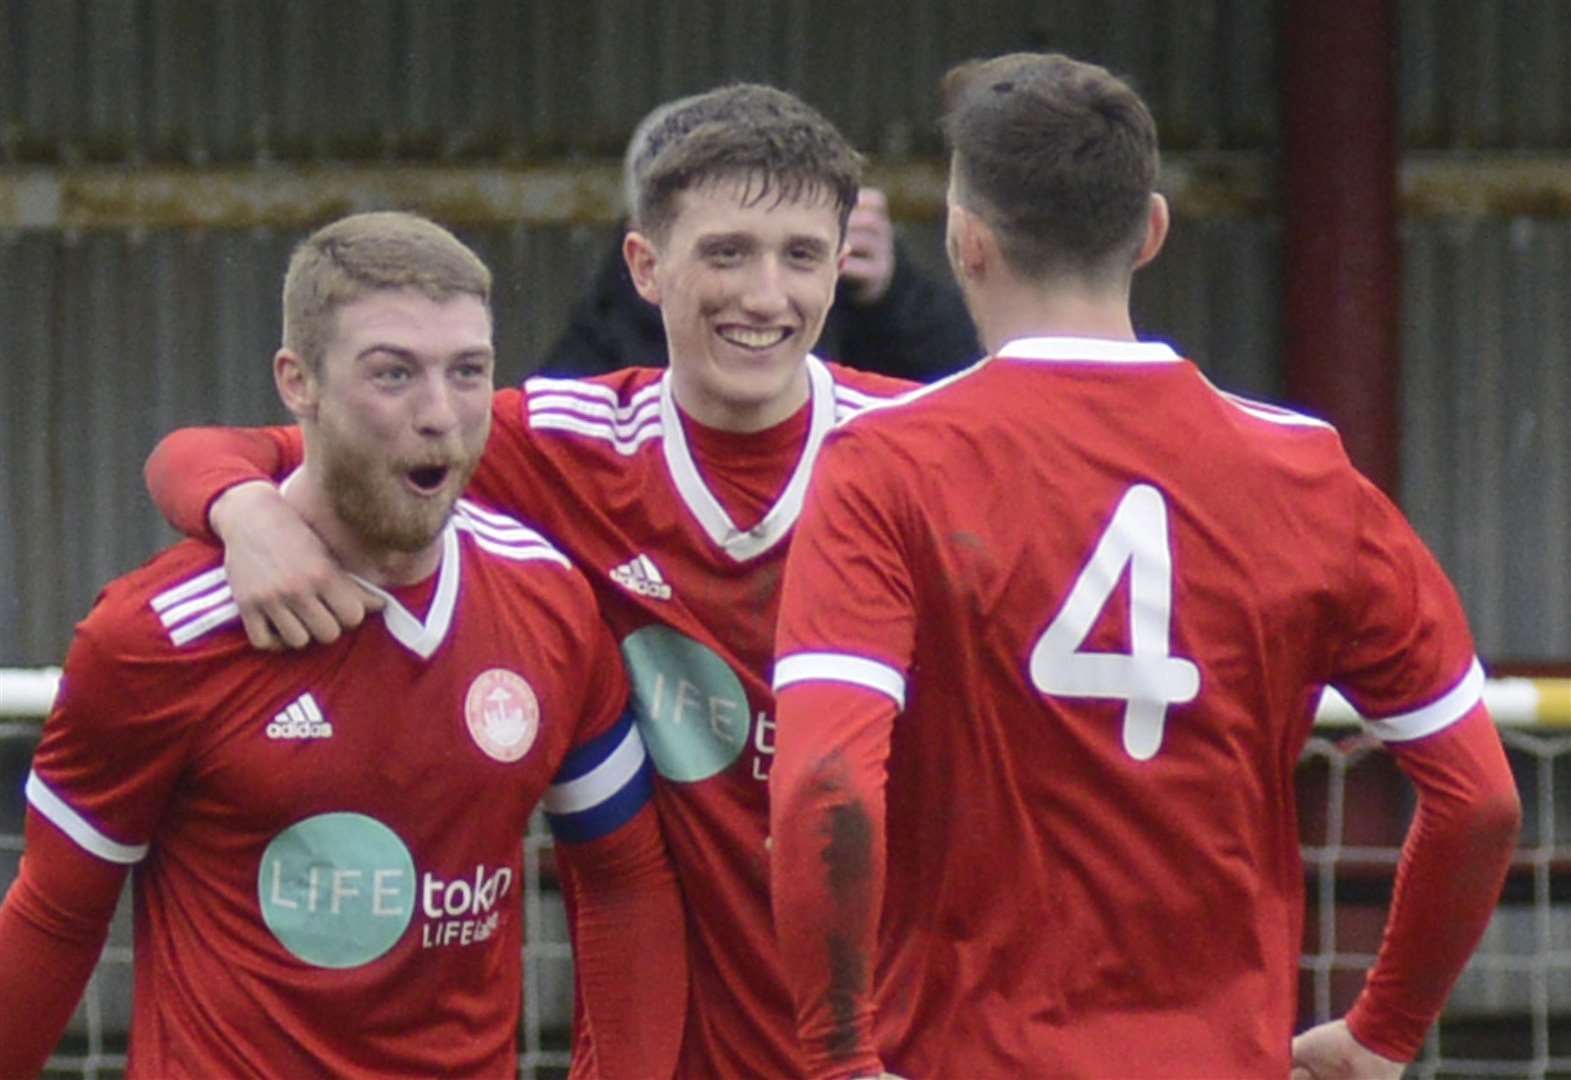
(365, 253)
(772, 141)
(1058, 156)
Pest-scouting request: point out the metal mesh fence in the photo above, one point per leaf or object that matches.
(1509, 1016)
(1510, 1013)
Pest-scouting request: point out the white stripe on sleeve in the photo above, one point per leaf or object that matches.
(840, 667)
(47, 803)
(1441, 713)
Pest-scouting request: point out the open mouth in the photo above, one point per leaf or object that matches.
(428, 479)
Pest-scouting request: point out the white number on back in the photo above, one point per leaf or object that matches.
(1148, 678)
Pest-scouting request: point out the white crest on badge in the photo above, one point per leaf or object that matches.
(503, 714)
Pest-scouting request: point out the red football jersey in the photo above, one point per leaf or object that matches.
(1103, 598)
(682, 531)
(326, 843)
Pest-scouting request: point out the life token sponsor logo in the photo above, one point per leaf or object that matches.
(691, 707)
(303, 719)
(340, 890)
(337, 890)
(640, 575)
(463, 911)
(503, 714)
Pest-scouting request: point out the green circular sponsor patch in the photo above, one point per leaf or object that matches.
(337, 890)
(691, 708)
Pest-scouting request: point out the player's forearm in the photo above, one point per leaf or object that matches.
(41, 980)
(1453, 864)
(630, 948)
(827, 868)
(192, 467)
(52, 930)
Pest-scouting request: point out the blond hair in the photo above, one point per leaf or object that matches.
(365, 253)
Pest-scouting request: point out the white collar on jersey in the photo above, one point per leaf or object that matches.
(420, 638)
(1088, 350)
(423, 638)
(746, 544)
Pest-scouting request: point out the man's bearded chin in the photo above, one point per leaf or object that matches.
(367, 496)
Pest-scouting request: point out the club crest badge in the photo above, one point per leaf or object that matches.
(503, 714)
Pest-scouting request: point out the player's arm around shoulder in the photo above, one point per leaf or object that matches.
(191, 467)
(288, 587)
(220, 483)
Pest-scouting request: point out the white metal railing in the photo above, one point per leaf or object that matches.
(28, 691)
(1513, 702)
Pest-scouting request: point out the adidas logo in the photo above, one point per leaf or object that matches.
(302, 720)
(640, 575)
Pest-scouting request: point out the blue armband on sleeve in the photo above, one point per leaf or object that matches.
(600, 785)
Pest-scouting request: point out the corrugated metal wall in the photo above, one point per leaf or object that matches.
(243, 80)
(1486, 444)
(1487, 422)
(112, 333)
(1485, 74)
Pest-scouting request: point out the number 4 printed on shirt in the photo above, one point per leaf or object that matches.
(1148, 678)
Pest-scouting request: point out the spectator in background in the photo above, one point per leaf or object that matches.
(889, 316)
(1051, 639)
(319, 891)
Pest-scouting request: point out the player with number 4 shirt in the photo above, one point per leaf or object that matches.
(1051, 642)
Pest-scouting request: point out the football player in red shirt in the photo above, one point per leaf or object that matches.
(326, 845)
(1052, 637)
(674, 489)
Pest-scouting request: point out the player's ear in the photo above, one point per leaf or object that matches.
(298, 385)
(1158, 219)
(972, 242)
(641, 256)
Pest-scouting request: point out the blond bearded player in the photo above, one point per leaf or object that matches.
(327, 843)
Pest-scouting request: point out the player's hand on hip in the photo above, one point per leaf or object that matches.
(870, 248)
(289, 589)
(1329, 1052)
